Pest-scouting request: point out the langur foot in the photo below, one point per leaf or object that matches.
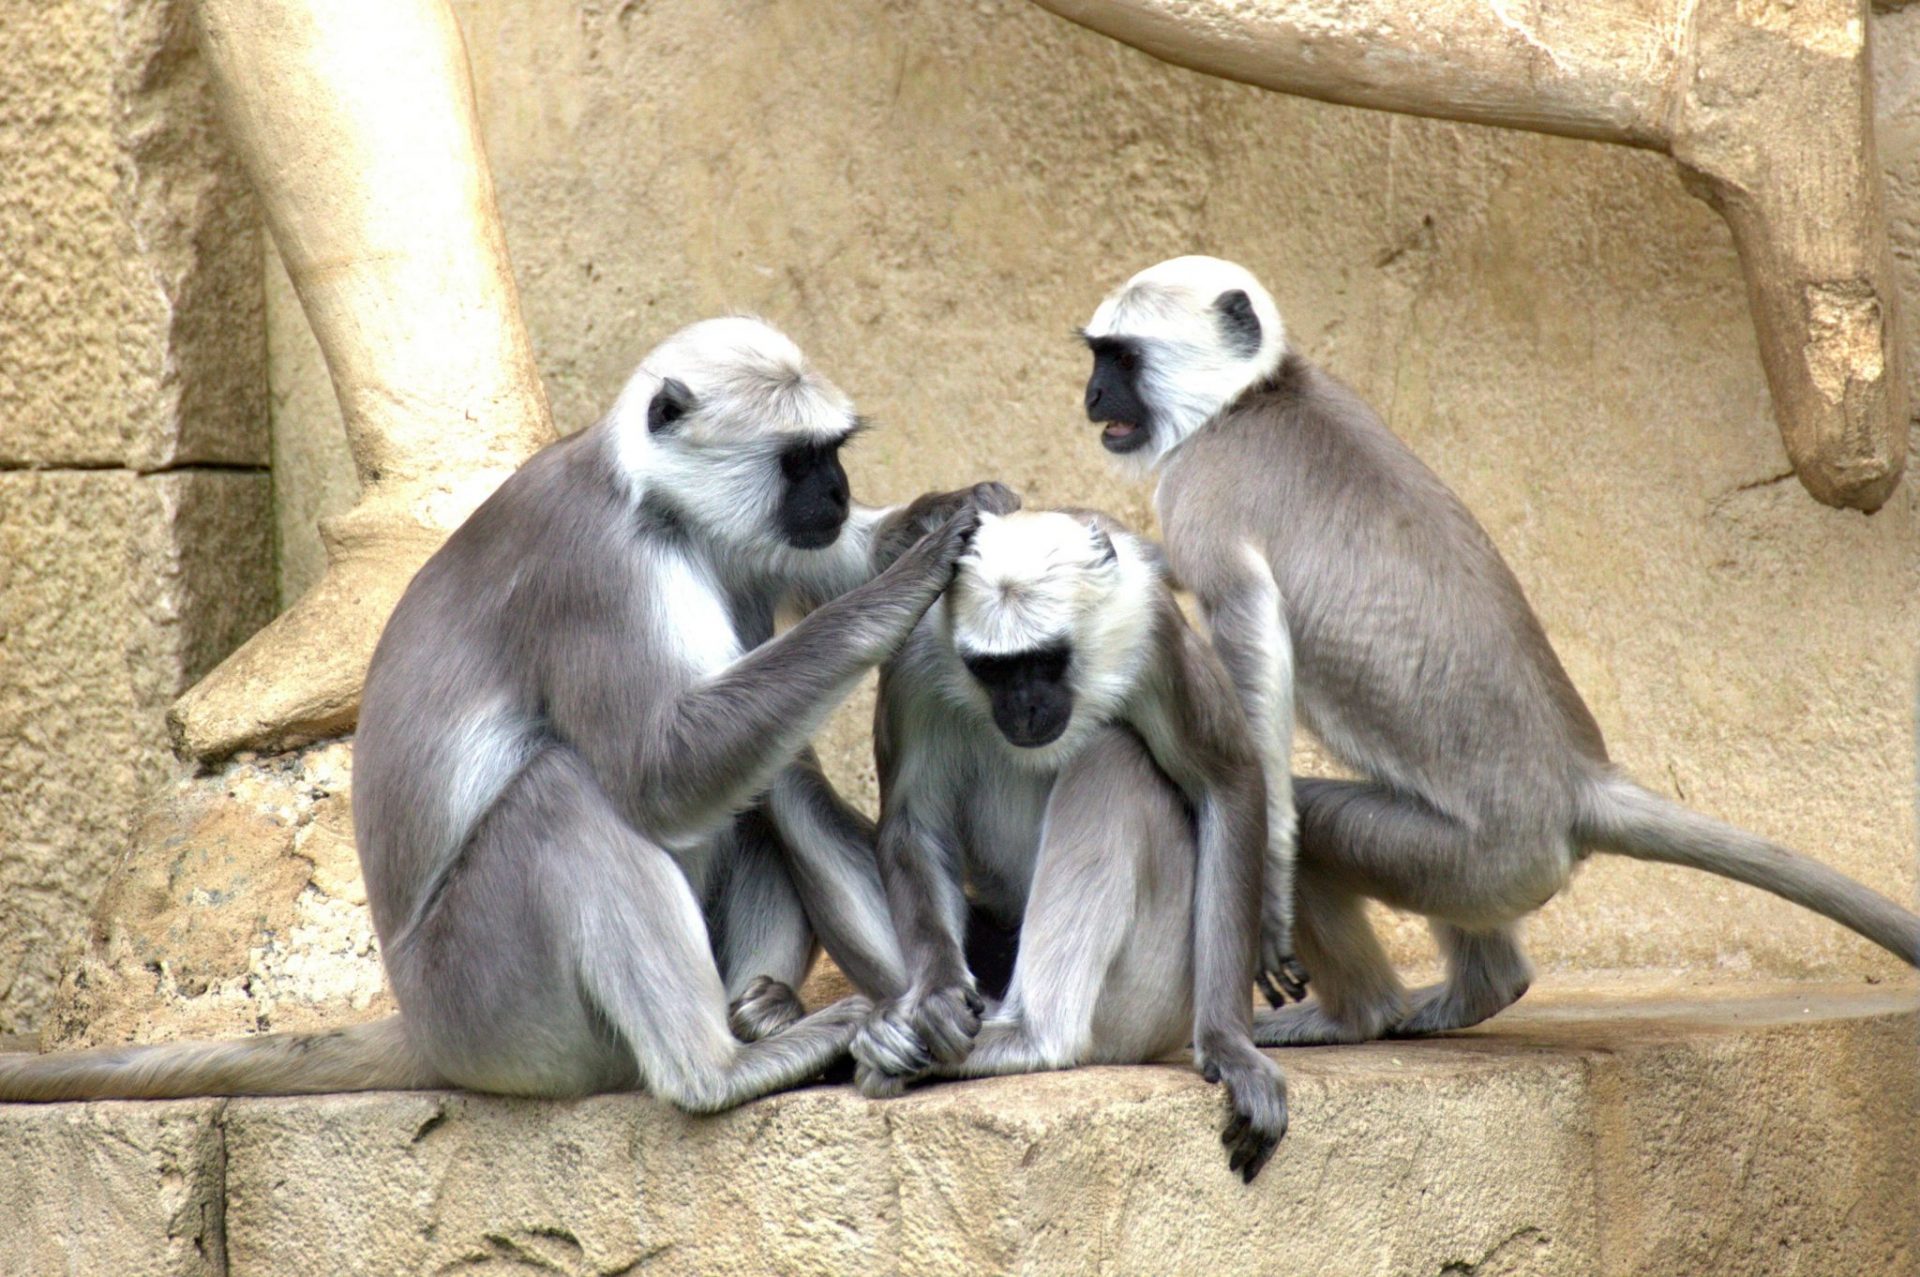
(1308, 1025)
(768, 1006)
(1257, 1104)
(1442, 1008)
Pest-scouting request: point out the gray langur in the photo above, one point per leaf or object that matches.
(1331, 562)
(585, 808)
(1056, 738)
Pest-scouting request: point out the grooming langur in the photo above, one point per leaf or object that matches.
(586, 813)
(1330, 561)
(1055, 737)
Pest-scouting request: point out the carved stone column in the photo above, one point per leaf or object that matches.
(355, 121)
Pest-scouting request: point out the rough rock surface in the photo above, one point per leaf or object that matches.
(239, 908)
(132, 298)
(117, 590)
(135, 533)
(1591, 1132)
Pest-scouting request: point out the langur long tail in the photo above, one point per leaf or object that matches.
(367, 1057)
(1621, 817)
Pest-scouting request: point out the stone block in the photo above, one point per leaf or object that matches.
(132, 1190)
(1621, 1129)
(132, 298)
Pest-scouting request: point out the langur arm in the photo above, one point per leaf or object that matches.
(1196, 732)
(1246, 614)
(920, 865)
(831, 847)
(721, 745)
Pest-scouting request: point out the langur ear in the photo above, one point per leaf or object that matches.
(1103, 549)
(670, 403)
(1238, 324)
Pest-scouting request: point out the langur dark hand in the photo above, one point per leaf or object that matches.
(1280, 975)
(887, 1052)
(1257, 1100)
(947, 1021)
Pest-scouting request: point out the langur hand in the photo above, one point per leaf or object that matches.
(989, 498)
(1256, 1099)
(946, 1021)
(934, 557)
(905, 1037)
(887, 1053)
(926, 513)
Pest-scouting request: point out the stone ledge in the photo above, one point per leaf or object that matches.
(1614, 1128)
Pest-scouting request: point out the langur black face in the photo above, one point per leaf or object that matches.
(814, 502)
(1113, 395)
(1031, 693)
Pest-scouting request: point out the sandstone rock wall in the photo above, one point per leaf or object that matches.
(135, 509)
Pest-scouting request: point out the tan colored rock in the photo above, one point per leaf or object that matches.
(238, 908)
(134, 1190)
(308, 440)
(116, 590)
(1620, 1131)
(132, 302)
(1599, 1130)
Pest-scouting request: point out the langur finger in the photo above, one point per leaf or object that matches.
(1258, 1155)
(1271, 992)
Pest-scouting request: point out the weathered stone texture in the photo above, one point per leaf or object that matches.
(1555, 326)
(239, 907)
(116, 591)
(131, 299)
(132, 351)
(134, 1190)
(302, 398)
(1618, 1130)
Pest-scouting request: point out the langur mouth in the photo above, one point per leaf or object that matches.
(1122, 436)
(813, 538)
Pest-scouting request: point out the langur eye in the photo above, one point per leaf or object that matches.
(1129, 361)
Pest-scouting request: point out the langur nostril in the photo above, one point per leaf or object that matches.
(1093, 397)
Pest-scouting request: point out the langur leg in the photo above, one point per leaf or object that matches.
(829, 850)
(1356, 994)
(1362, 838)
(1104, 972)
(760, 934)
(622, 978)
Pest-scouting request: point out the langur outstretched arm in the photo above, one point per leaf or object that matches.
(1246, 613)
(727, 738)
